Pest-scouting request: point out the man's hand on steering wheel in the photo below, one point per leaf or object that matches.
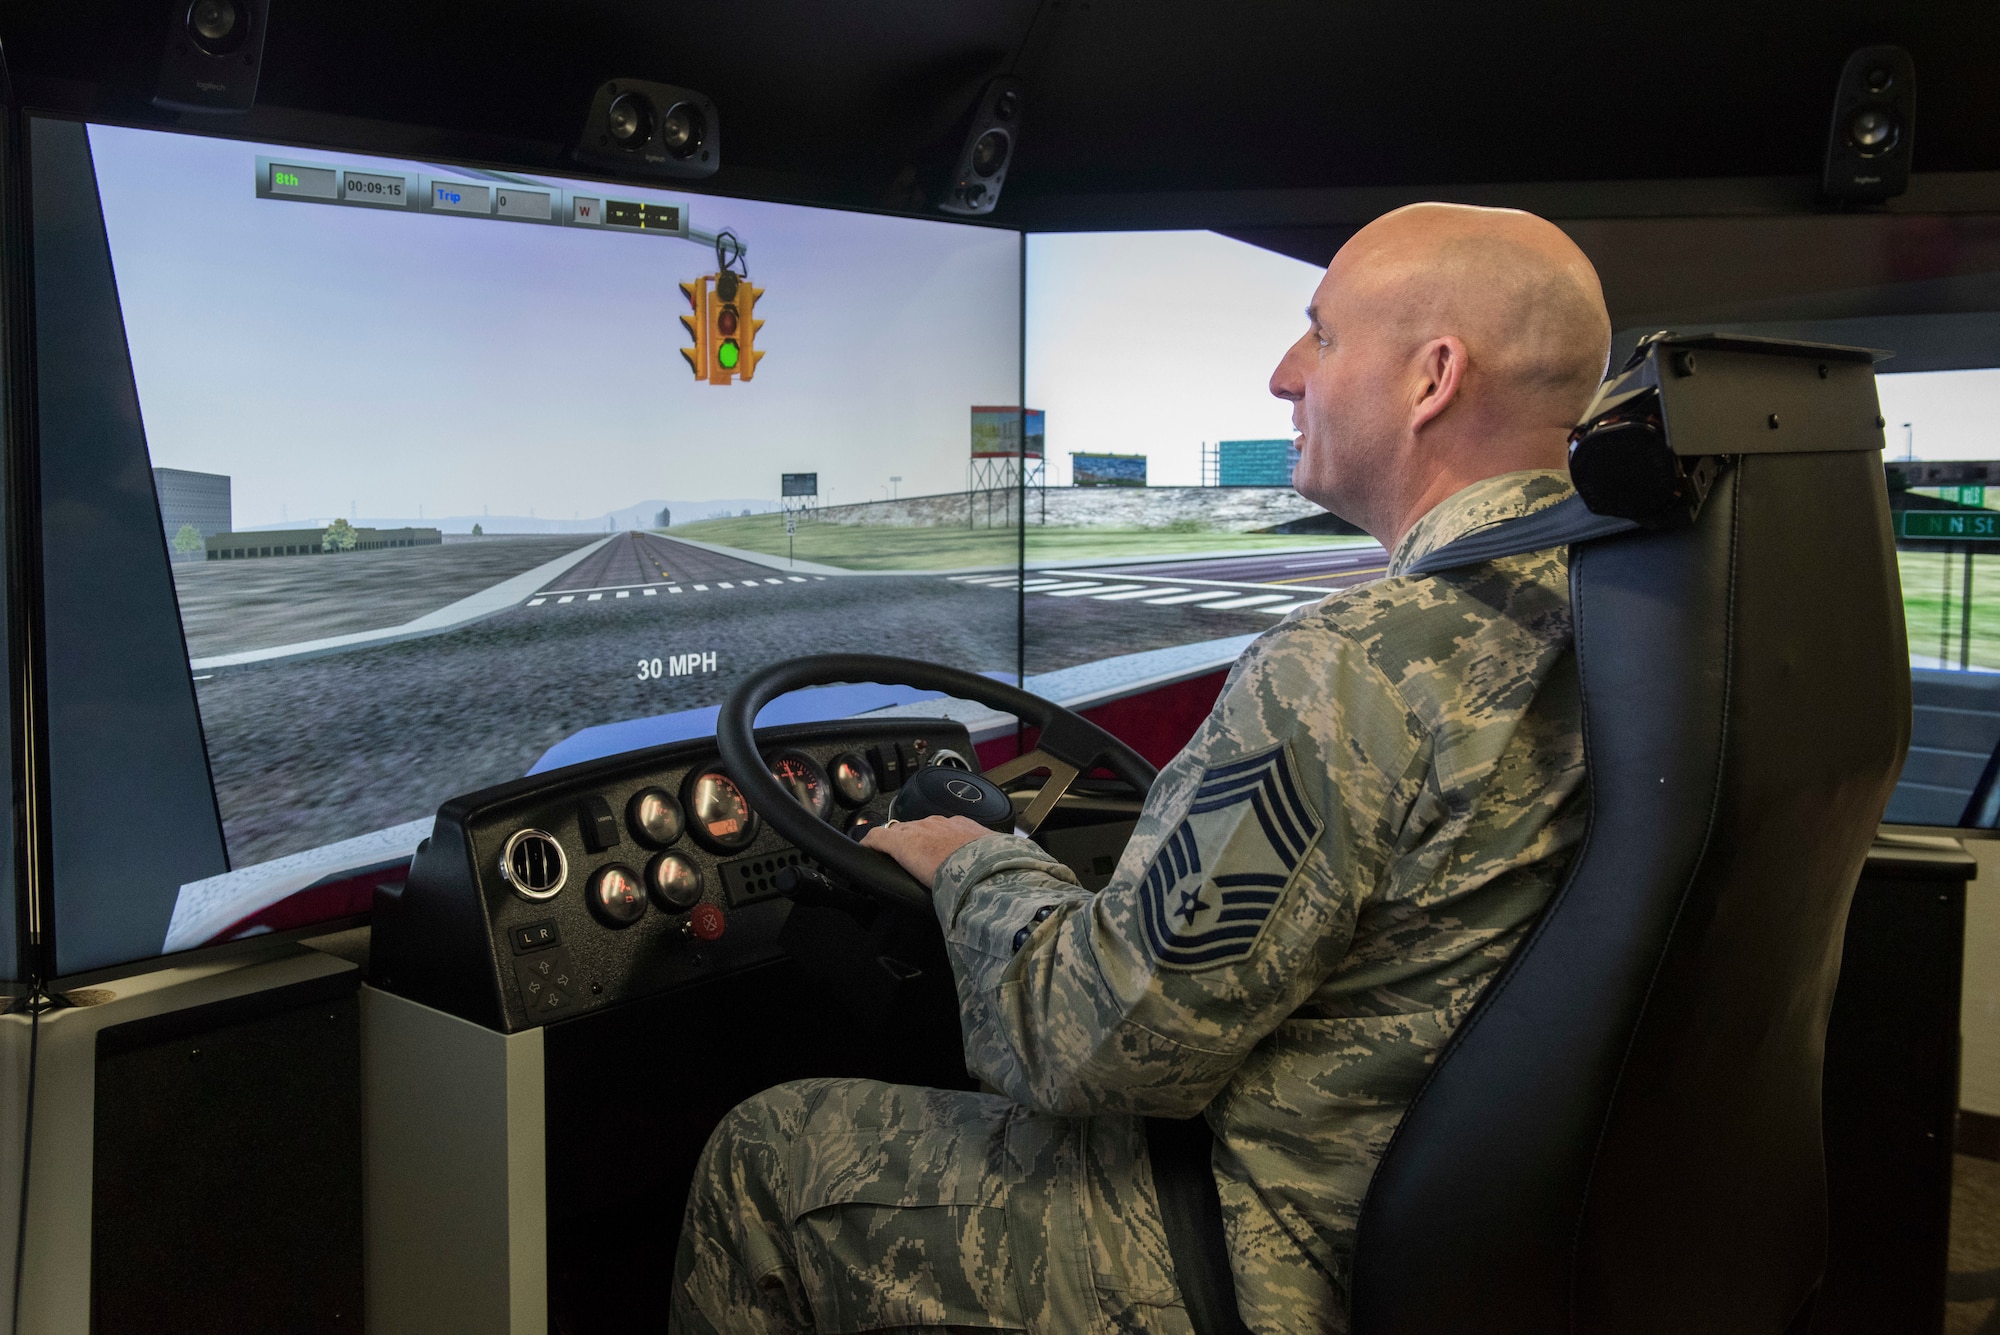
(921, 846)
(1068, 747)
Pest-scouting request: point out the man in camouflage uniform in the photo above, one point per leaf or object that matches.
(1317, 891)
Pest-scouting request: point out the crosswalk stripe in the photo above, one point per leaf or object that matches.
(1142, 591)
(536, 602)
(723, 584)
(651, 592)
(1095, 590)
(774, 581)
(594, 597)
(1199, 595)
(627, 593)
(566, 598)
(1252, 601)
(1290, 607)
(1080, 585)
(701, 588)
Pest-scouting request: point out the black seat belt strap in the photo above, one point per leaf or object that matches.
(1563, 524)
(1191, 1214)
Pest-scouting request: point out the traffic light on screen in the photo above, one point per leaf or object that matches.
(697, 326)
(725, 327)
(746, 304)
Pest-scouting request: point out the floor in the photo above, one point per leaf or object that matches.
(1973, 1290)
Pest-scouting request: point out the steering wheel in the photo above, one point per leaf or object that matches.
(1069, 746)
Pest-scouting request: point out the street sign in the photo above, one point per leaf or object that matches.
(1949, 525)
(791, 522)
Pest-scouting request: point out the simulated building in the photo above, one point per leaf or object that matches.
(190, 498)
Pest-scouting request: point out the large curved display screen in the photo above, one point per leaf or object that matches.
(370, 482)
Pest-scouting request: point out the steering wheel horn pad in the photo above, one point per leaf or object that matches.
(1069, 745)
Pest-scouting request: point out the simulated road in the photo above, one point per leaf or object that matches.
(306, 751)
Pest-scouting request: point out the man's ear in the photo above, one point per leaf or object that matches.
(1440, 371)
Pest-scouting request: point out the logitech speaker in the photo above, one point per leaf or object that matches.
(215, 49)
(974, 186)
(651, 129)
(1874, 123)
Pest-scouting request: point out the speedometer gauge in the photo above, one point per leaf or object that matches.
(718, 813)
(803, 778)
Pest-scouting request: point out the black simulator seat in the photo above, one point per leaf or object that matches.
(1625, 1134)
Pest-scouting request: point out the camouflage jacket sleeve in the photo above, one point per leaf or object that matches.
(1236, 897)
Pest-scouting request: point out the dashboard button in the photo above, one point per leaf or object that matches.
(706, 922)
(600, 827)
(616, 896)
(535, 936)
(655, 816)
(673, 882)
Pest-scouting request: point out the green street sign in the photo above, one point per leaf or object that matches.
(1949, 525)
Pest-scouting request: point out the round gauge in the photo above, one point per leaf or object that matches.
(655, 817)
(616, 897)
(718, 812)
(853, 778)
(674, 882)
(803, 778)
(860, 823)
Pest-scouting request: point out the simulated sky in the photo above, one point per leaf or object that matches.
(1154, 342)
(1949, 414)
(334, 359)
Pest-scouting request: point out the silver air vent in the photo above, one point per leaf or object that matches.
(532, 862)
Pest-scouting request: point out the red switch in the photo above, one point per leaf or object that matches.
(706, 922)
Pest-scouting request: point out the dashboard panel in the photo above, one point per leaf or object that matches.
(567, 892)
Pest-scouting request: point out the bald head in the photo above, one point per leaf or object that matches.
(1448, 344)
(1515, 288)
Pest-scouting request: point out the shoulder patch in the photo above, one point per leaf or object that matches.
(1211, 887)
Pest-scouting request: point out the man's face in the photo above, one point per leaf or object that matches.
(1342, 379)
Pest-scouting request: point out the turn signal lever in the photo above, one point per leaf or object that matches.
(804, 884)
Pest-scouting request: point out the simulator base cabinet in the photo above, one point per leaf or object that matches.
(191, 500)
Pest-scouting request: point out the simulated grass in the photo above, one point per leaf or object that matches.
(1934, 613)
(871, 547)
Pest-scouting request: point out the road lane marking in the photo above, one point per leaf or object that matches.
(652, 592)
(1254, 600)
(536, 602)
(566, 598)
(627, 593)
(1200, 595)
(774, 581)
(1290, 607)
(593, 597)
(1143, 591)
(1331, 574)
(674, 588)
(722, 584)
(701, 588)
(1099, 590)
(796, 579)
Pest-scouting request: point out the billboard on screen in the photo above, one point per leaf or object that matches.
(997, 431)
(1107, 470)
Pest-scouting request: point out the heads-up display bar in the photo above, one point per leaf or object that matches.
(503, 200)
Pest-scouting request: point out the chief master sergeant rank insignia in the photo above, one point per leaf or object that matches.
(1247, 815)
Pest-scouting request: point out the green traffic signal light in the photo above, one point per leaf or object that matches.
(726, 355)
